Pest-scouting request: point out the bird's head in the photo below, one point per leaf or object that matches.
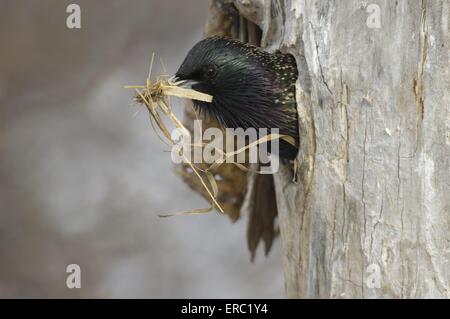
(235, 75)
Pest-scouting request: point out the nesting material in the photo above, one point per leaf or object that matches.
(155, 96)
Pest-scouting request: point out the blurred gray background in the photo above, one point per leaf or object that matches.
(82, 179)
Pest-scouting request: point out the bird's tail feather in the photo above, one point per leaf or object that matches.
(262, 213)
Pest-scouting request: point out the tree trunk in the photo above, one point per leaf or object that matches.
(370, 213)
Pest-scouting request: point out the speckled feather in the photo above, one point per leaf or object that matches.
(251, 87)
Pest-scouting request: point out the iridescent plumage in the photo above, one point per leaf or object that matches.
(251, 87)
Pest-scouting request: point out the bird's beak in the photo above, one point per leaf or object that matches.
(173, 79)
(187, 84)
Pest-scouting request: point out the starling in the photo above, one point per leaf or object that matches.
(251, 88)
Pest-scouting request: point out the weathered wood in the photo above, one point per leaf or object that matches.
(374, 178)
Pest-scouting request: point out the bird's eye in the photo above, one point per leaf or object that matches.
(210, 71)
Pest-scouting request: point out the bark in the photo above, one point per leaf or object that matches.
(373, 179)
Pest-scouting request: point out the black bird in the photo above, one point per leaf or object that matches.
(251, 88)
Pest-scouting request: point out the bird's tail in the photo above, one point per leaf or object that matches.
(262, 213)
